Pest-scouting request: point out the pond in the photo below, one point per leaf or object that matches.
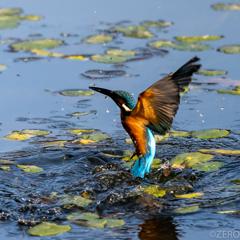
(63, 151)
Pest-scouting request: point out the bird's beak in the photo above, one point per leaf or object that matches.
(104, 91)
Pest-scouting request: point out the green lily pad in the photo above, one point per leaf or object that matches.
(220, 151)
(108, 58)
(186, 89)
(127, 158)
(122, 53)
(194, 39)
(159, 138)
(236, 181)
(112, 223)
(80, 114)
(158, 44)
(82, 216)
(158, 24)
(153, 190)
(194, 47)
(76, 93)
(98, 39)
(191, 158)
(211, 72)
(46, 53)
(73, 131)
(186, 209)
(35, 132)
(191, 195)
(156, 163)
(30, 168)
(233, 92)
(2, 67)
(59, 143)
(228, 211)
(9, 11)
(5, 168)
(7, 162)
(225, 7)
(8, 25)
(231, 49)
(97, 137)
(210, 133)
(48, 229)
(18, 136)
(37, 44)
(76, 200)
(97, 223)
(208, 166)
(178, 133)
(135, 31)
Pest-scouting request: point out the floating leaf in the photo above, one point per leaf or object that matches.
(30, 168)
(191, 158)
(228, 211)
(37, 44)
(158, 44)
(127, 158)
(108, 58)
(76, 200)
(98, 136)
(158, 24)
(2, 67)
(211, 72)
(76, 57)
(9, 11)
(121, 52)
(97, 223)
(220, 151)
(225, 7)
(48, 229)
(101, 74)
(128, 140)
(35, 132)
(98, 39)
(186, 89)
(156, 163)
(208, 166)
(134, 31)
(5, 168)
(186, 209)
(8, 25)
(178, 133)
(194, 39)
(153, 190)
(7, 162)
(80, 114)
(76, 93)
(83, 141)
(231, 49)
(236, 181)
(59, 143)
(82, 216)
(191, 195)
(197, 47)
(18, 136)
(229, 92)
(210, 133)
(159, 138)
(46, 53)
(112, 223)
(73, 131)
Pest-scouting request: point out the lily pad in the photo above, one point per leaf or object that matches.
(232, 92)
(194, 47)
(97, 137)
(97, 223)
(76, 93)
(5, 168)
(80, 114)
(186, 89)
(112, 223)
(76, 200)
(158, 44)
(220, 151)
(2, 67)
(178, 133)
(210, 133)
(158, 24)
(18, 136)
(211, 72)
(30, 168)
(46, 53)
(101, 74)
(186, 209)
(227, 211)
(76, 57)
(59, 143)
(82, 216)
(159, 138)
(237, 181)
(153, 190)
(208, 166)
(98, 39)
(135, 31)
(37, 44)
(121, 52)
(108, 58)
(7, 162)
(231, 49)
(9, 11)
(83, 141)
(191, 195)
(48, 229)
(73, 131)
(191, 158)
(35, 132)
(8, 25)
(225, 7)
(194, 39)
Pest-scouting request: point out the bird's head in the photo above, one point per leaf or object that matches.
(123, 99)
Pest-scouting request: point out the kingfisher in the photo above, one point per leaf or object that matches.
(154, 112)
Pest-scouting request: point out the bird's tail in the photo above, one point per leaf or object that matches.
(183, 75)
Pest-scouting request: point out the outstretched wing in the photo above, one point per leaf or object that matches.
(159, 103)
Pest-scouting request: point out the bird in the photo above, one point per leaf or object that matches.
(154, 112)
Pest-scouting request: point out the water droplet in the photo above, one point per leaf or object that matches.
(203, 121)
(201, 115)
(222, 108)
(114, 120)
(93, 29)
(91, 84)
(95, 19)
(107, 111)
(95, 12)
(62, 109)
(100, 71)
(104, 44)
(109, 67)
(106, 97)
(94, 85)
(197, 110)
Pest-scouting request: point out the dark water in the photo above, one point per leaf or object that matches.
(25, 104)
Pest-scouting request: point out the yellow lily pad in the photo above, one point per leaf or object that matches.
(210, 133)
(18, 136)
(98, 39)
(219, 151)
(211, 72)
(226, 7)
(59, 143)
(97, 223)
(231, 49)
(9, 11)
(46, 53)
(178, 133)
(161, 43)
(191, 195)
(76, 57)
(232, 92)
(2, 67)
(127, 158)
(108, 58)
(227, 211)
(190, 159)
(38, 44)
(35, 132)
(48, 229)
(82, 216)
(156, 163)
(97, 137)
(7, 162)
(194, 39)
(80, 114)
(122, 53)
(135, 31)
(76, 200)
(186, 209)
(186, 89)
(83, 141)
(30, 168)
(208, 166)
(158, 24)
(192, 47)
(153, 190)
(159, 138)
(76, 93)
(112, 223)
(73, 131)
(5, 168)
